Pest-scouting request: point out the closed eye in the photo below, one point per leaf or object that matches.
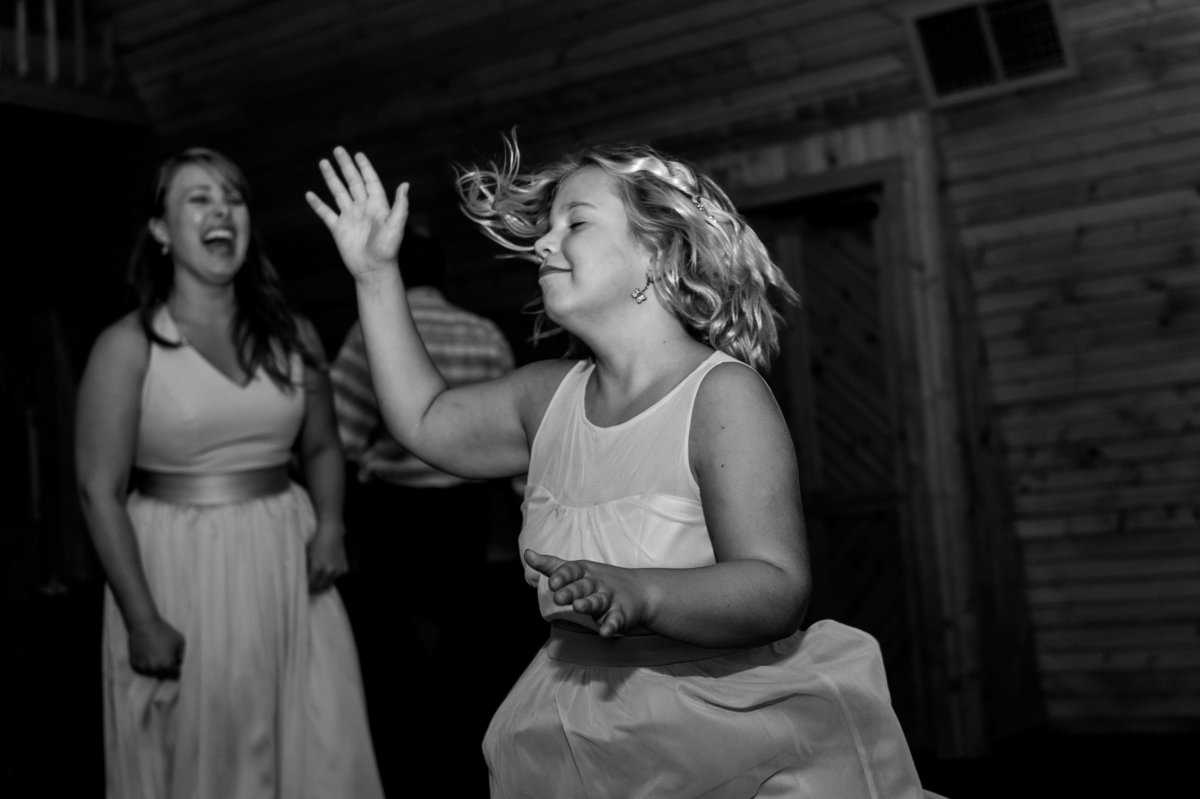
(232, 199)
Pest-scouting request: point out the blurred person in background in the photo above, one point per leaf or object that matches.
(230, 670)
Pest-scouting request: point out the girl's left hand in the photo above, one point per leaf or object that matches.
(617, 598)
(326, 559)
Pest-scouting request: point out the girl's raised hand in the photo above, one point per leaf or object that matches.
(616, 598)
(366, 230)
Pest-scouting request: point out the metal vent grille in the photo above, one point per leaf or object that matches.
(976, 49)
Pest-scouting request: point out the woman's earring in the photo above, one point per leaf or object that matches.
(639, 295)
(166, 248)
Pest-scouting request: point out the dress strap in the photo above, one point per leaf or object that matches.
(212, 489)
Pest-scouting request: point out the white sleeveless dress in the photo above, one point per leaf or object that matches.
(806, 716)
(269, 702)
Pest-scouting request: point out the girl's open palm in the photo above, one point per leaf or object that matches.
(365, 228)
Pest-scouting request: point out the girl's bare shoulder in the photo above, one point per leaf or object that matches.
(536, 383)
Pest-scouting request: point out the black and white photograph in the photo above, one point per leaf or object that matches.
(623, 399)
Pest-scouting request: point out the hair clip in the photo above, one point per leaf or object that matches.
(698, 201)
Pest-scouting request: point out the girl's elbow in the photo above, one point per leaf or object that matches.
(789, 589)
(795, 606)
(799, 614)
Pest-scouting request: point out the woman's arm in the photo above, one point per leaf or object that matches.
(324, 469)
(758, 590)
(473, 431)
(106, 424)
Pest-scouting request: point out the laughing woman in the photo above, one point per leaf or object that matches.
(229, 667)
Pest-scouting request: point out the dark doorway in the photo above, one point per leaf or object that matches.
(836, 381)
(70, 209)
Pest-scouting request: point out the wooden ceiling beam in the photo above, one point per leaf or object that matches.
(65, 101)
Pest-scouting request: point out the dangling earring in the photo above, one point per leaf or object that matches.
(639, 295)
(166, 248)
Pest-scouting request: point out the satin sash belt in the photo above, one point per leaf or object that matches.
(589, 649)
(212, 489)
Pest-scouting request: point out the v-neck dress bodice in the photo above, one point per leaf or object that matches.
(196, 420)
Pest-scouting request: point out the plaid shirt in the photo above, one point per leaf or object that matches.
(466, 348)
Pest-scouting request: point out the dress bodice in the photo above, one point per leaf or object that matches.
(623, 495)
(195, 420)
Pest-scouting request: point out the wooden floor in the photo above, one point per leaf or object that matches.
(52, 721)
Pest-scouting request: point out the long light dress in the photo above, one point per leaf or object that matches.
(806, 716)
(269, 703)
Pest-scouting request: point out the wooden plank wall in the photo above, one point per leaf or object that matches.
(421, 83)
(1080, 218)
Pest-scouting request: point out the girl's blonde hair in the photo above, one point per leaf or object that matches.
(712, 271)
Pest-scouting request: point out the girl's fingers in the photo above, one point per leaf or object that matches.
(350, 174)
(400, 206)
(592, 604)
(323, 211)
(546, 564)
(567, 591)
(570, 573)
(371, 181)
(571, 584)
(340, 195)
(612, 623)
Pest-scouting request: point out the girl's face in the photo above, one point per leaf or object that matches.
(594, 262)
(205, 223)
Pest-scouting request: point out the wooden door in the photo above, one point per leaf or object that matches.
(835, 381)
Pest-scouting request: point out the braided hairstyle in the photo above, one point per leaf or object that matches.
(713, 272)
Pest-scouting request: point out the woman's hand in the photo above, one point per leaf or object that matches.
(156, 650)
(615, 597)
(367, 232)
(326, 559)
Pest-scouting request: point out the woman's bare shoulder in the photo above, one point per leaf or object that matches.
(126, 332)
(124, 342)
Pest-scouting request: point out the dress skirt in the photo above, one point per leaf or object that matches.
(269, 702)
(806, 716)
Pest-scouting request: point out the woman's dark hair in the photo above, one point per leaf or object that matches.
(265, 330)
